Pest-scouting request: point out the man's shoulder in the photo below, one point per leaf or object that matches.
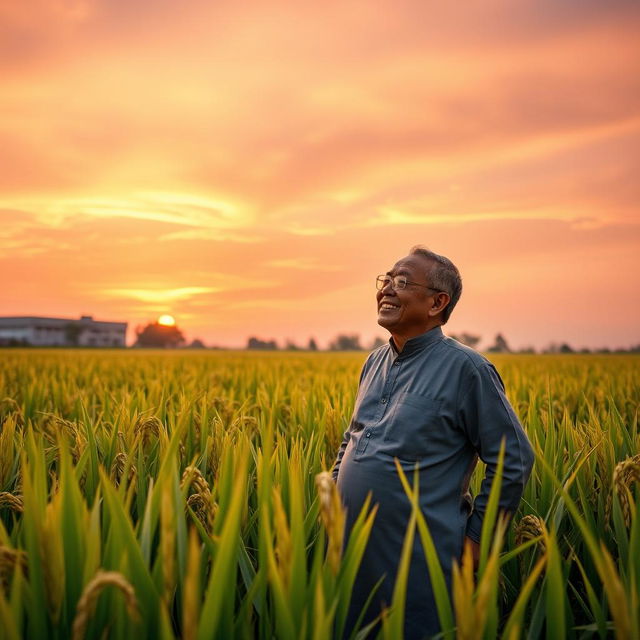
(466, 355)
(380, 352)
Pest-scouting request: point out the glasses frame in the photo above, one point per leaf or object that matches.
(380, 283)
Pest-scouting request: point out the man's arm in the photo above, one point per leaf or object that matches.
(343, 446)
(488, 418)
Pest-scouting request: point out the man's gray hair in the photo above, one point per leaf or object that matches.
(443, 276)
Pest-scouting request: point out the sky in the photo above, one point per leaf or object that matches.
(250, 167)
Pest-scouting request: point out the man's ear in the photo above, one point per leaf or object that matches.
(440, 301)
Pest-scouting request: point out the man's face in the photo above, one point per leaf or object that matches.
(406, 312)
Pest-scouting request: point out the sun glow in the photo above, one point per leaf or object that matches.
(166, 321)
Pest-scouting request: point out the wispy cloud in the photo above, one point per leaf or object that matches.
(245, 237)
(183, 209)
(159, 295)
(302, 264)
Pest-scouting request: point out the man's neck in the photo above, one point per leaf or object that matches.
(401, 340)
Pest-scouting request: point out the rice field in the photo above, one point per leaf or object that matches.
(182, 495)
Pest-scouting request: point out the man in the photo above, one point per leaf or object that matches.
(429, 401)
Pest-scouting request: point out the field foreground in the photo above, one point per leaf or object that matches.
(176, 495)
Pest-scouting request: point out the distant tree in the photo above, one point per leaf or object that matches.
(197, 344)
(159, 336)
(290, 345)
(500, 345)
(527, 350)
(467, 339)
(262, 345)
(377, 342)
(344, 342)
(555, 347)
(312, 346)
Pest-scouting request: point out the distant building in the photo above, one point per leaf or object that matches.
(62, 332)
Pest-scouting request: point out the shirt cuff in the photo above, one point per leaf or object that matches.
(474, 527)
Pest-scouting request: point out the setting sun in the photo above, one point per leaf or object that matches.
(166, 321)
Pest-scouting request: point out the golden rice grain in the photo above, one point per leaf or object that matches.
(11, 501)
(625, 475)
(118, 467)
(333, 518)
(9, 560)
(529, 528)
(91, 593)
(148, 428)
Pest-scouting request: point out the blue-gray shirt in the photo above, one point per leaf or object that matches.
(438, 405)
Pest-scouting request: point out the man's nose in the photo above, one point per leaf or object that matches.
(388, 288)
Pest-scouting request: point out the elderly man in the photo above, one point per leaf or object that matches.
(429, 401)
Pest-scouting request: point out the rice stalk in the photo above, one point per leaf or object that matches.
(53, 558)
(148, 429)
(191, 589)
(531, 527)
(11, 501)
(625, 475)
(9, 560)
(201, 501)
(167, 541)
(333, 518)
(91, 593)
(283, 548)
(118, 468)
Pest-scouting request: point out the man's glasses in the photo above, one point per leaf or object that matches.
(397, 283)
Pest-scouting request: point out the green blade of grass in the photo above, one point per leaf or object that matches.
(223, 572)
(436, 574)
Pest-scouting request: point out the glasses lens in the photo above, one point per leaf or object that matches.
(381, 282)
(399, 282)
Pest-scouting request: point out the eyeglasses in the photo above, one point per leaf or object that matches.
(397, 283)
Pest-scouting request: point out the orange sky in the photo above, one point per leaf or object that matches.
(250, 167)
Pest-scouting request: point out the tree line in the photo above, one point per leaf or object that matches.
(155, 335)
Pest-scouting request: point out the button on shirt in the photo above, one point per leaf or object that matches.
(437, 406)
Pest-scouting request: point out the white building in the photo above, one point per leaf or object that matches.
(64, 332)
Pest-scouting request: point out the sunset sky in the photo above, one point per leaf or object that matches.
(250, 167)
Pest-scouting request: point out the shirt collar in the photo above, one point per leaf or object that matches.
(418, 343)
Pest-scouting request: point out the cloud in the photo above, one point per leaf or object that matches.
(192, 210)
(439, 89)
(159, 295)
(303, 264)
(209, 235)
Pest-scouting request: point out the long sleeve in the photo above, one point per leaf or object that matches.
(487, 418)
(336, 464)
